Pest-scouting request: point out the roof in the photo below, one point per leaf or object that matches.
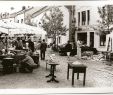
(36, 11)
(19, 12)
(43, 9)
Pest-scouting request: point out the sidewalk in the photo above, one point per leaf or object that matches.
(98, 75)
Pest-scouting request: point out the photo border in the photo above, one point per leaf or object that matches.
(57, 91)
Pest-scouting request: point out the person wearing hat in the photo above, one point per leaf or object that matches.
(27, 64)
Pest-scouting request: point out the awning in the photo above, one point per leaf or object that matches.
(17, 28)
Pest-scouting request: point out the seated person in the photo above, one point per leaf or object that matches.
(27, 64)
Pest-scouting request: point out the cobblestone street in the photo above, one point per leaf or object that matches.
(98, 75)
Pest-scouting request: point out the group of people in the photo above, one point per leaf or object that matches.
(27, 63)
(20, 44)
(16, 43)
(69, 48)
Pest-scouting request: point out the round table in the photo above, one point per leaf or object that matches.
(53, 65)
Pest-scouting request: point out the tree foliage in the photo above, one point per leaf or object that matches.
(105, 23)
(52, 22)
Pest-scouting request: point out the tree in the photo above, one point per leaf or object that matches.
(106, 19)
(52, 22)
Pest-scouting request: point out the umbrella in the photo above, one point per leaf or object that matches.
(27, 29)
(17, 28)
(7, 26)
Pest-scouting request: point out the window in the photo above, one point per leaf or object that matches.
(110, 14)
(3, 15)
(59, 39)
(88, 17)
(83, 18)
(0, 16)
(78, 18)
(17, 21)
(21, 20)
(102, 40)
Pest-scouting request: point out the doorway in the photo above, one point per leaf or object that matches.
(82, 37)
(91, 39)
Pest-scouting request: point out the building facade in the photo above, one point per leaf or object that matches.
(86, 20)
(37, 16)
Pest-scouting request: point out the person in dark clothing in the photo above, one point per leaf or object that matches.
(31, 45)
(68, 48)
(18, 44)
(43, 47)
(24, 42)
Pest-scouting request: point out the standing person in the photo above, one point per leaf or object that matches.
(24, 42)
(18, 44)
(2, 45)
(31, 45)
(43, 47)
(79, 44)
(68, 48)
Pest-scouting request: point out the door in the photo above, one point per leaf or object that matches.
(91, 39)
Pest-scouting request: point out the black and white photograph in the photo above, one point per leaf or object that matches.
(56, 47)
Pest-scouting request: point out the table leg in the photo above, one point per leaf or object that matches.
(52, 74)
(54, 67)
(72, 77)
(77, 75)
(68, 72)
(84, 78)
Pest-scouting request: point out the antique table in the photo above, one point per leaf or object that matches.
(76, 68)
